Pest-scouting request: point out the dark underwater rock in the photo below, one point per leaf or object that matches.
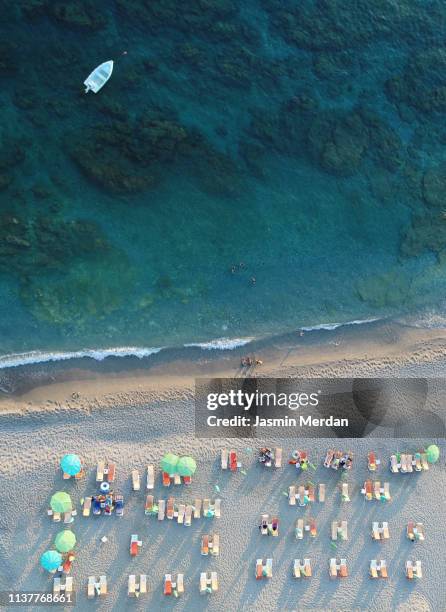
(338, 143)
(434, 186)
(427, 233)
(422, 85)
(83, 14)
(336, 24)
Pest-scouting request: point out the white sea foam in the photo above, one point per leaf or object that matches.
(34, 357)
(222, 344)
(331, 326)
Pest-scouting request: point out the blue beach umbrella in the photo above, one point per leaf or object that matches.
(51, 560)
(71, 464)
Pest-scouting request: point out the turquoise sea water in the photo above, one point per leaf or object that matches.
(250, 169)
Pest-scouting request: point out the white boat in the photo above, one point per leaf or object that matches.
(98, 78)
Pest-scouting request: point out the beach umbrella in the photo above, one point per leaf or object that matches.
(186, 466)
(51, 560)
(433, 453)
(65, 541)
(169, 463)
(71, 464)
(61, 502)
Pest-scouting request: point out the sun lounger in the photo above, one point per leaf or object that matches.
(328, 458)
(419, 532)
(180, 513)
(150, 477)
(424, 461)
(197, 508)
(166, 479)
(214, 545)
(188, 516)
(409, 463)
(91, 587)
(383, 569)
(409, 570)
(168, 584)
(301, 497)
(135, 545)
(368, 490)
(269, 568)
(307, 568)
(55, 515)
(394, 465)
(372, 463)
(136, 485)
(343, 573)
(187, 480)
(264, 519)
(214, 581)
(321, 492)
(344, 531)
(418, 572)
(206, 508)
(102, 586)
(373, 569)
(278, 458)
(68, 517)
(170, 508)
(176, 479)
(131, 589)
(292, 495)
(417, 462)
(385, 533)
(56, 586)
(100, 471)
(110, 470)
(274, 526)
(386, 491)
(312, 525)
(149, 505)
(203, 583)
(377, 490)
(333, 570)
(217, 508)
(205, 545)
(86, 507)
(180, 584)
(344, 492)
(224, 459)
(310, 489)
(296, 568)
(299, 531)
(161, 509)
(334, 530)
(233, 461)
(376, 534)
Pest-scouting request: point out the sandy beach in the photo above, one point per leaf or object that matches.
(133, 418)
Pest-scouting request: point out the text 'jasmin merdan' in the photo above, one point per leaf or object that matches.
(244, 400)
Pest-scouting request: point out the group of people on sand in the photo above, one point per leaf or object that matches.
(249, 362)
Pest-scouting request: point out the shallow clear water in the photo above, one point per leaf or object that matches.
(271, 168)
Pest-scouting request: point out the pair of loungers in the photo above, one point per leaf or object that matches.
(380, 531)
(60, 585)
(172, 585)
(96, 587)
(137, 585)
(373, 490)
(305, 526)
(268, 457)
(269, 525)
(208, 582)
(378, 569)
(264, 569)
(338, 569)
(415, 531)
(105, 471)
(339, 530)
(229, 459)
(210, 544)
(302, 569)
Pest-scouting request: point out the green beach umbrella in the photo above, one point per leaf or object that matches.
(50, 560)
(186, 466)
(433, 453)
(169, 463)
(61, 502)
(65, 541)
(71, 464)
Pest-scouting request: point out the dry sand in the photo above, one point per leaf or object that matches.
(133, 420)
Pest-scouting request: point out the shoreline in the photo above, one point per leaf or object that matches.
(362, 350)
